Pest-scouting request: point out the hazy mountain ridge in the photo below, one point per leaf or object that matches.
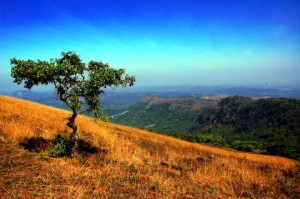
(182, 102)
(120, 99)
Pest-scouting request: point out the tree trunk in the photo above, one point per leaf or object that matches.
(73, 136)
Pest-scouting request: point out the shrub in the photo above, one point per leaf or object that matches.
(62, 147)
(211, 138)
(244, 145)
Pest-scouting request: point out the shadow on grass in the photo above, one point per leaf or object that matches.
(39, 144)
(36, 144)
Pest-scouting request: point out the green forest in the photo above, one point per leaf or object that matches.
(158, 118)
(269, 126)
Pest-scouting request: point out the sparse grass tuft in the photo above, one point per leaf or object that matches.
(154, 185)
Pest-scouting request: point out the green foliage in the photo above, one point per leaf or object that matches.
(62, 147)
(244, 124)
(158, 118)
(197, 189)
(246, 145)
(154, 185)
(35, 195)
(270, 125)
(44, 156)
(211, 138)
(73, 81)
(77, 85)
(213, 190)
(81, 158)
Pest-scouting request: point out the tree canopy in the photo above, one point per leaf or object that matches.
(77, 84)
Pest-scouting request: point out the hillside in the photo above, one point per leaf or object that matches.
(183, 102)
(128, 163)
(271, 125)
(261, 125)
(164, 115)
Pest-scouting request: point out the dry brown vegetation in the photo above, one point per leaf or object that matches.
(183, 102)
(130, 163)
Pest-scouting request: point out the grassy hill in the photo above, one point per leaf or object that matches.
(128, 163)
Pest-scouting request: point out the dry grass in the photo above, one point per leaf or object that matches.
(130, 163)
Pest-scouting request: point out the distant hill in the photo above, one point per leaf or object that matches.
(267, 125)
(110, 100)
(192, 103)
(165, 115)
(127, 162)
(271, 125)
(120, 99)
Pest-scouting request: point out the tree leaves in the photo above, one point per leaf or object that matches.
(75, 84)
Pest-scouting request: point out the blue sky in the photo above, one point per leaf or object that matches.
(191, 42)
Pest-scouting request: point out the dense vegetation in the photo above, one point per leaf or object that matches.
(158, 118)
(270, 125)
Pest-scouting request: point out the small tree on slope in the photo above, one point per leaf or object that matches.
(77, 85)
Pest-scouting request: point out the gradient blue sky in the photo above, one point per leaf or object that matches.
(186, 42)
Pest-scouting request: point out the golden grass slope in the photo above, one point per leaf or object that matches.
(130, 163)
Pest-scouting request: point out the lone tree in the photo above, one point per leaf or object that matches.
(77, 85)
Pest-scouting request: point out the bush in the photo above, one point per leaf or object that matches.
(62, 147)
(247, 145)
(212, 139)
